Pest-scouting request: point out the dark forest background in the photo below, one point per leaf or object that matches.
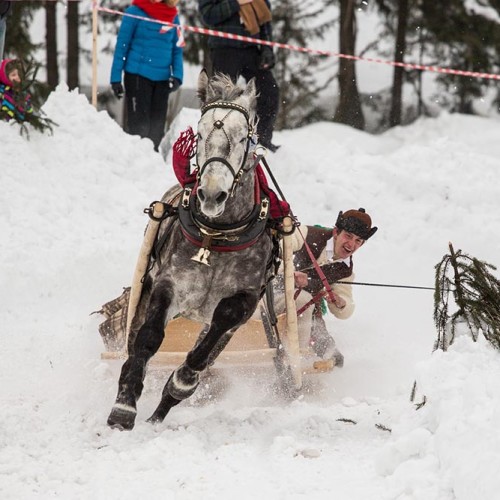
(444, 33)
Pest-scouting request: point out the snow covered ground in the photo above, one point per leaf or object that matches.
(71, 224)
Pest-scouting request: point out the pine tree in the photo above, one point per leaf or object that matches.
(298, 23)
(349, 110)
(476, 293)
(73, 46)
(18, 43)
(51, 45)
(401, 21)
(459, 37)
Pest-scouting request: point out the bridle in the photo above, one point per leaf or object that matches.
(219, 125)
(216, 236)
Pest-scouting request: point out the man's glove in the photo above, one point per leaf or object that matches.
(267, 60)
(117, 89)
(173, 84)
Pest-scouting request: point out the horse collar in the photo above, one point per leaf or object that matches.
(220, 237)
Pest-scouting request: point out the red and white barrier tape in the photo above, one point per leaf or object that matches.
(222, 34)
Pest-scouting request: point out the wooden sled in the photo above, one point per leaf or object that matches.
(252, 345)
(249, 347)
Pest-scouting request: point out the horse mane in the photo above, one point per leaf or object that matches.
(220, 87)
(223, 89)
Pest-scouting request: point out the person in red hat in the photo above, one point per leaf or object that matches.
(333, 249)
(15, 102)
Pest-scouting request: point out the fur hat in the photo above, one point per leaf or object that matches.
(357, 222)
(9, 65)
(13, 64)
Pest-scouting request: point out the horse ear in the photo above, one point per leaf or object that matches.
(203, 86)
(251, 89)
(249, 95)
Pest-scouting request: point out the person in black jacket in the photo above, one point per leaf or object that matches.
(250, 18)
(4, 9)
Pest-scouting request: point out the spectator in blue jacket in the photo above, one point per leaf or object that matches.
(149, 56)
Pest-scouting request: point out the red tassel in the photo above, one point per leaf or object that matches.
(183, 150)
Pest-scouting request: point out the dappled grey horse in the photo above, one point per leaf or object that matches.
(216, 257)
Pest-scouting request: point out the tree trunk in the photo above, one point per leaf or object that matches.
(349, 109)
(51, 44)
(397, 83)
(73, 46)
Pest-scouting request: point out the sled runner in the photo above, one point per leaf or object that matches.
(248, 347)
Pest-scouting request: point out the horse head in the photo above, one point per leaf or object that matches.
(225, 139)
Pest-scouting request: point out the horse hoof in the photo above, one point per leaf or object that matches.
(154, 419)
(122, 418)
(159, 415)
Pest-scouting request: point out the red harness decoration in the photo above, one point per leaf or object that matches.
(279, 208)
(183, 150)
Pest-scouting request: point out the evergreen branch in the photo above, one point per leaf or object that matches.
(476, 293)
(383, 427)
(40, 123)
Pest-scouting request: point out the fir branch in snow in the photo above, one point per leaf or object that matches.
(382, 427)
(38, 122)
(476, 293)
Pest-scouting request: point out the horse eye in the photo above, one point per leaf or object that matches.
(243, 140)
(198, 136)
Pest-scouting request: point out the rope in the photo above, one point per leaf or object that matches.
(322, 294)
(386, 285)
(210, 32)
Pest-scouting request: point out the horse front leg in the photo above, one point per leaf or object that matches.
(146, 344)
(230, 313)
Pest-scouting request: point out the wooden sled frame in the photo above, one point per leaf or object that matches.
(250, 344)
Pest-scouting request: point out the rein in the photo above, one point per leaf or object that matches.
(321, 274)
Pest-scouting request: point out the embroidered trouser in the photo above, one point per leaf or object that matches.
(304, 321)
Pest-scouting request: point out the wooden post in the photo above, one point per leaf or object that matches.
(94, 53)
(142, 264)
(292, 336)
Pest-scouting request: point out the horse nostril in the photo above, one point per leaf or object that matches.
(222, 197)
(201, 194)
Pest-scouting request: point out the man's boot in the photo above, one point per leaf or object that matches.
(322, 342)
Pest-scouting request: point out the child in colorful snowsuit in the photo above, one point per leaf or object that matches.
(15, 103)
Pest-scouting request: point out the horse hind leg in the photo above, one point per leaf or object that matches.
(229, 314)
(148, 341)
